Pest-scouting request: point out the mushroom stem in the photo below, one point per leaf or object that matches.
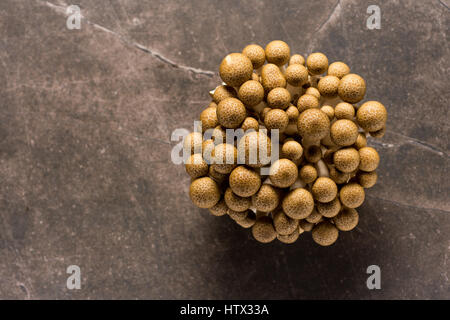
(322, 169)
(299, 183)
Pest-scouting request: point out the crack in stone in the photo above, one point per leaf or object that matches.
(153, 53)
(406, 205)
(445, 5)
(421, 144)
(336, 10)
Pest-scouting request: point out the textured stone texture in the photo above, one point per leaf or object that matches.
(86, 178)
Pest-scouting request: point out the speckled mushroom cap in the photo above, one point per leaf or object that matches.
(235, 202)
(313, 91)
(283, 173)
(193, 143)
(296, 75)
(328, 86)
(317, 63)
(237, 215)
(292, 150)
(290, 238)
(308, 173)
(324, 189)
(298, 203)
(235, 69)
(361, 141)
(313, 153)
(244, 181)
(338, 176)
(328, 110)
(305, 225)
(367, 179)
(347, 219)
(314, 217)
(297, 59)
(277, 52)
(369, 159)
(352, 88)
(254, 149)
(204, 192)
(371, 116)
(250, 123)
(271, 77)
(224, 157)
(208, 117)
(325, 233)
(266, 199)
(263, 230)
(283, 224)
(231, 113)
(196, 167)
(338, 69)
(219, 209)
(256, 55)
(251, 93)
(222, 92)
(352, 195)
(329, 209)
(344, 110)
(248, 221)
(279, 98)
(313, 124)
(346, 159)
(276, 119)
(307, 101)
(344, 132)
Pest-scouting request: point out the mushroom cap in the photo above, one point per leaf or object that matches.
(325, 233)
(298, 203)
(208, 117)
(223, 92)
(250, 123)
(204, 192)
(344, 110)
(248, 221)
(292, 150)
(219, 209)
(235, 69)
(379, 133)
(347, 219)
(207, 147)
(313, 91)
(313, 124)
(292, 113)
(244, 181)
(317, 63)
(328, 86)
(235, 202)
(251, 93)
(231, 113)
(266, 199)
(305, 225)
(367, 179)
(224, 158)
(283, 173)
(283, 224)
(276, 119)
(329, 209)
(297, 59)
(329, 111)
(352, 195)
(361, 141)
(371, 116)
(271, 77)
(296, 75)
(255, 149)
(196, 166)
(193, 143)
(313, 153)
(277, 52)
(324, 189)
(290, 238)
(217, 176)
(237, 215)
(346, 159)
(256, 55)
(344, 132)
(338, 176)
(263, 230)
(369, 159)
(279, 98)
(308, 173)
(352, 88)
(307, 101)
(338, 69)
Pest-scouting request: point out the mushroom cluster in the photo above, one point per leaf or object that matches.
(324, 163)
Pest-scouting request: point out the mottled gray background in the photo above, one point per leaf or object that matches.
(85, 171)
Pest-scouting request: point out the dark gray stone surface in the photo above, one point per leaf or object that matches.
(85, 171)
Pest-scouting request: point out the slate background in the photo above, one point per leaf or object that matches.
(85, 171)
